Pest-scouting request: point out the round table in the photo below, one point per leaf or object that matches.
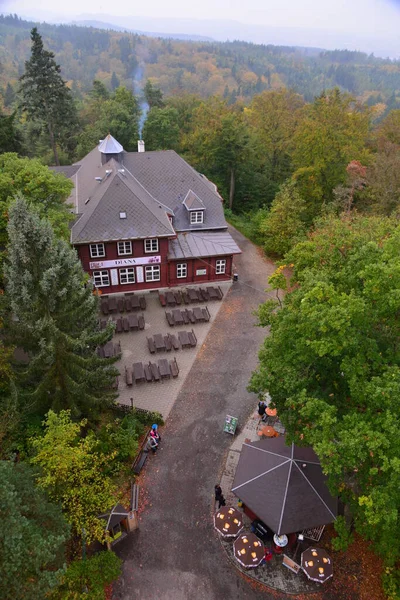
(271, 412)
(280, 540)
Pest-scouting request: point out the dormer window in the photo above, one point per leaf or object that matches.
(196, 216)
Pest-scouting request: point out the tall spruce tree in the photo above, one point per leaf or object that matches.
(55, 320)
(45, 96)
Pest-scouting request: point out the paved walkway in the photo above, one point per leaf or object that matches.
(159, 396)
(175, 554)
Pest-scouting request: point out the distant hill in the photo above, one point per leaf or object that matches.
(229, 69)
(113, 27)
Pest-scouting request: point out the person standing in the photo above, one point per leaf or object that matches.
(219, 496)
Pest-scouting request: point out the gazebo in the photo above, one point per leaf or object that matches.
(284, 486)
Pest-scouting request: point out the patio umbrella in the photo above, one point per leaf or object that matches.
(317, 564)
(228, 521)
(248, 550)
(283, 485)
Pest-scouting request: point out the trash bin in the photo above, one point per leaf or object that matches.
(235, 277)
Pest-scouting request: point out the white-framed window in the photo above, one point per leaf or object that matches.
(151, 245)
(124, 248)
(181, 270)
(101, 278)
(153, 273)
(196, 216)
(127, 275)
(220, 266)
(97, 250)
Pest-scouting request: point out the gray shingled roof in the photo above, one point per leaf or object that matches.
(169, 178)
(192, 201)
(67, 170)
(201, 244)
(120, 193)
(110, 146)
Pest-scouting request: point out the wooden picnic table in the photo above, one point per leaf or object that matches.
(133, 322)
(198, 314)
(155, 371)
(170, 299)
(184, 339)
(112, 304)
(164, 369)
(108, 350)
(138, 372)
(193, 295)
(214, 293)
(135, 302)
(159, 342)
(178, 317)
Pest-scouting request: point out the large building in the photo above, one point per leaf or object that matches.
(147, 220)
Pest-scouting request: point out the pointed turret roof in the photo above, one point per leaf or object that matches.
(110, 145)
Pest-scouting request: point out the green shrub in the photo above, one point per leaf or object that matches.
(85, 579)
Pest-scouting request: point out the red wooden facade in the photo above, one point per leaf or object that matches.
(197, 270)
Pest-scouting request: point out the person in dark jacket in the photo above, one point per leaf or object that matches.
(219, 496)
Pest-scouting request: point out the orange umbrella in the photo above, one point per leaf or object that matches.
(268, 431)
(271, 412)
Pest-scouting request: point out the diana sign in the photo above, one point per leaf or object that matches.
(125, 262)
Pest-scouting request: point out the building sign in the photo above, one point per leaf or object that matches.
(125, 262)
(114, 277)
(139, 274)
(201, 272)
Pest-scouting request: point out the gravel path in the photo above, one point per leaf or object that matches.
(175, 554)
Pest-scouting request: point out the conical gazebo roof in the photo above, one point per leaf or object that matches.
(284, 486)
(110, 145)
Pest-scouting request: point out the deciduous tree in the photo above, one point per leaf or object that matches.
(160, 130)
(72, 473)
(331, 133)
(332, 366)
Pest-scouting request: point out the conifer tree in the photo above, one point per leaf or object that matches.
(55, 320)
(115, 83)
(45, 96)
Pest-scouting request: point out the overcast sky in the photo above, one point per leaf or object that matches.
(363, 18)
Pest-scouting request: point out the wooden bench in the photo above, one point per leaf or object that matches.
(121, 304)
(117, 349)
(178, 298)
(115, 383)
(142, 302)
(173, 365)
(192, 318)
(162, 299)
(154, 371)
(192, 338)
(204, 294)
(185, 298)
(128, 376)
(168, 343)
(134, 497)
(170, 319)
(147, 373)
(141, 322)
(139, 462)
(185, 316)
(174, 342)
(125, 324)
(291, 564)
(206, 313)
(152, 346)
(118, 326)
